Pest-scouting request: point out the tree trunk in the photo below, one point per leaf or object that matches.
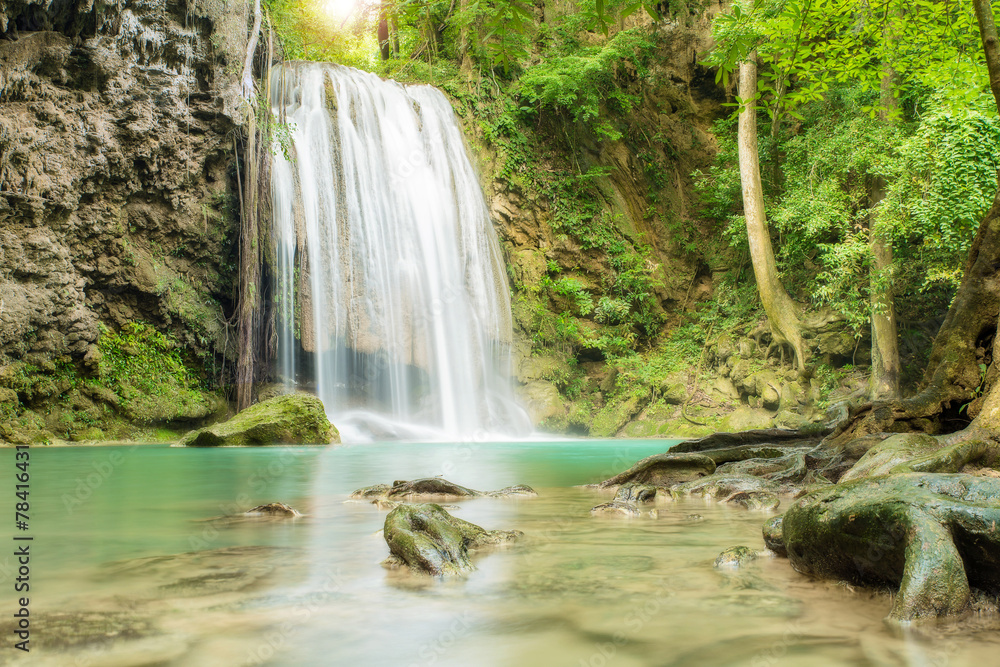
(884, 383)
(780, 310)
(960, 375)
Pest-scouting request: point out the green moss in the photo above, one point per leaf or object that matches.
(144, 368)
(288, 419)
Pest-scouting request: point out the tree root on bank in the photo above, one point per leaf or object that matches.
(932, 534)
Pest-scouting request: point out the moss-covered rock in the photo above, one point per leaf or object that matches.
(636, 493)
(427, 539)
(934, 535)
(273, 510)
(736, 557)
(88, 433)
(613, 416)
(295, 419)
(543, 401)
(773, 539)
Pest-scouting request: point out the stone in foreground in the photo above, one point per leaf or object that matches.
(932, 534)
(293, 419)
(427, 539)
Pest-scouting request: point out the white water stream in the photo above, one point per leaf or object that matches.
(392, 300)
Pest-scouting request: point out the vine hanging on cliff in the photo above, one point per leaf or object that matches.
(254, 205)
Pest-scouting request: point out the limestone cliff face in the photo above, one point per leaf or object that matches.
(116, 126)
(117, 199)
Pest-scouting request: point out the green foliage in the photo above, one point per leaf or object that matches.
(937, 168)
(308, 31)
(821, 44)
(144, 368)
(572, 288)
(580, 82)
(946, 183)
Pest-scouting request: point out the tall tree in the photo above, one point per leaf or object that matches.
(961, 370)
(884, 383)
(779, 307)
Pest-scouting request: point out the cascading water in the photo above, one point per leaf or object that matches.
(391, 293)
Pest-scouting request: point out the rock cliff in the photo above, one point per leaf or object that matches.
(117, 202)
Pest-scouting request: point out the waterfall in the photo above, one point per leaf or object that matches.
(391, 299)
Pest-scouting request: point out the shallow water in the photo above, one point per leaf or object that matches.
(127, 571)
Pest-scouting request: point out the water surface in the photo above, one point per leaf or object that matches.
(129, 569)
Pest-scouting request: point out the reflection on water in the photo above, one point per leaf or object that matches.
(130, 568)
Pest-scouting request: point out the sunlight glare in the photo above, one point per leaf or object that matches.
(340, 9)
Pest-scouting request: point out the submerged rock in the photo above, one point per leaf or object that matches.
(293, 419)
(662, 470)
(932, 534)
(429, 488)
(754, 500)
(272, 510)
(432, 488)
(736, 557)
(512, 491)
(79, 630)
(373, 491)
(636, 493)
(772, 535)
(206, 573)
(616, 508)
(427, 539)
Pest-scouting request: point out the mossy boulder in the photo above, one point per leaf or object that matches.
(933, 535)
(610, 419)
(428, 540)
(295, 419)
(736, 557)
(636, 493)
(273, 510)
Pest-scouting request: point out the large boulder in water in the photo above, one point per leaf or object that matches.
(932, 534)
(293, 419)
(427, 539)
